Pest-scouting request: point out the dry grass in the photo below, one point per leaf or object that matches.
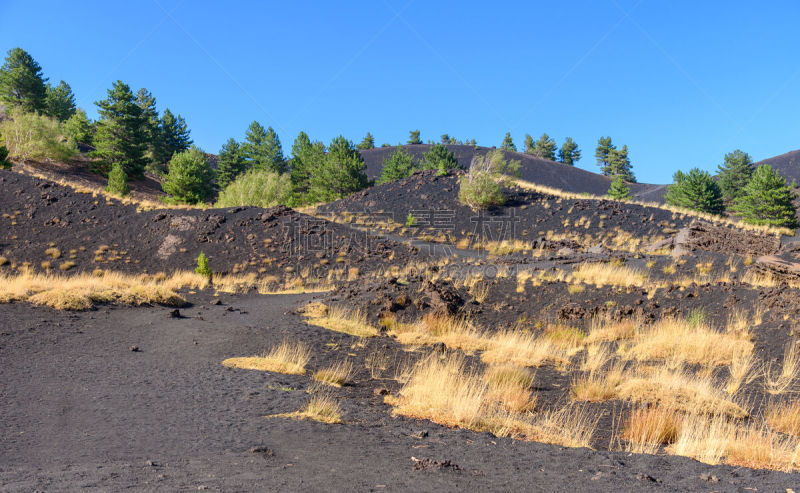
(742, 369)
(650, 428)
(454, 332)
(679, 390)
(715, 439)
(321, 407)
(522, 349)
(784, 417)
(285, 358)
(602, 274)
(606, 330)
(511, 387)
(781, 381)
(340, 319)
(82, 291)
(447, 392)
(337, 375)
(692, 341)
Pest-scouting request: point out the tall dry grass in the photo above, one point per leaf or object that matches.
(287, 357)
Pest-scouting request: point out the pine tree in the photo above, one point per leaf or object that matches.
(767, 200)
(4, 161)
(189, 178)
(174, 136)
(397, 166)
(59, 101)
(230, 163)
(569, 152)
(367, 143)
(734, 174)
(604, 148)
(341, 173)
(151, 128)
(619, 164)
(306, 156)
(262, 149)
(530, 147)
(545, 148)
(117, 181)
(445, 139)
(695, 190)
(21, 83)
(508, 143)
(413, 137)
(79, 128)
(619, 189)
(439, 158)
(119, 137)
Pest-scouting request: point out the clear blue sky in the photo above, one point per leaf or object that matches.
(680, 83)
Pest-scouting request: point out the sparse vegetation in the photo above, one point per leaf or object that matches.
(287, 357)
(258, 189)
(482, 186)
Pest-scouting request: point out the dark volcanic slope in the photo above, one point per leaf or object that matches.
(93, 233)
(533, 169)
(788, 165)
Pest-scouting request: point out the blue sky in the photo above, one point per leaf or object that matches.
(681, 83)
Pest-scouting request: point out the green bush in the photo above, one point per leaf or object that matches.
(410, 220)
(482, 186)
(33, 136)
(117, 181)
(202, 266)
(4, 162)
(619, 190)
(257, 188)
(397, 166)
(189, 178)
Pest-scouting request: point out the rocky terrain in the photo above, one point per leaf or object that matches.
(116, 396)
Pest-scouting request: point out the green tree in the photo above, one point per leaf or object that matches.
(230, 163)
(619, 189)
(413, 137)
(734, 174)
(5, 163)
(767, 200)
(530, 146)
(368, 142)
(306, 157)
(262, 149)
(174, 136)
(482, 186)
(604, 148)
(151, 128)
(117, 181)
(189, 178)
(341, 173)
(545, 148)
(439, 158)
(59, 101)
(619, 164)
(202, 268)
(119, 137)
(79, 128)
(508, 143)
(569, 152)
(695, 190)
(257, 188)
(397, 166)
(21, 82)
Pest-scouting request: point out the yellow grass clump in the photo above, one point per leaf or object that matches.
(694, 342)
(784, 417)
(715, 439)
(782, 380)
(321, 407)
(285, 358)
(520, 348)
(649, 428)
(601, 274)
(447, 392)
(340, 319)
(454, 332)
(337, 375)
(82, 291)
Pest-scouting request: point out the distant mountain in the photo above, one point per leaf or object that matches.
(532, 169)
(788, 165)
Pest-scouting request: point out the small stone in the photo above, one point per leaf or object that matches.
(381, 391)
(151, 463)
(175, 313)
(135, 349)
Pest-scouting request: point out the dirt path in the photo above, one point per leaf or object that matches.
(80, 410)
